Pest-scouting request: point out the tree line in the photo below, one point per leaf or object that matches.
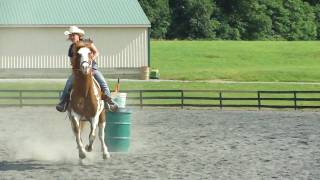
(234, 19)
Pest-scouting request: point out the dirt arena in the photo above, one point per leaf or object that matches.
(37, 143)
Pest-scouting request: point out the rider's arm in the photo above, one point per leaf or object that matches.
(95, 52)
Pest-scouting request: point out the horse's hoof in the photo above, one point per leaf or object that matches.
(88, 148)
(106, 156)
(82, 156)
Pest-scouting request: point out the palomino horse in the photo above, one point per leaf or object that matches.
(85, 100)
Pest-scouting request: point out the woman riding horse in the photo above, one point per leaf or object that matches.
(86, 104)
(75, 35)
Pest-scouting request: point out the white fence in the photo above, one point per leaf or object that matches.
(133, 56)
(26, 62)
(120, 60)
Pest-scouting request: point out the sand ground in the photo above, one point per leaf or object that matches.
(37, 143)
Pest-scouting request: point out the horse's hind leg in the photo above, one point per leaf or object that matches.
(102, 125)
(76, 130)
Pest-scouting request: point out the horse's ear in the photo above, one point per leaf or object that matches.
(90, 40)
(87, 41)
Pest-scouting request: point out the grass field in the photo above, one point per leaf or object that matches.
(273, 61)
(241, 61)
(168, 85)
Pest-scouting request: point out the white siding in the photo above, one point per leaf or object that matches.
(47, 47)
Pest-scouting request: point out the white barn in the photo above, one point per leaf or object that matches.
(32, 43)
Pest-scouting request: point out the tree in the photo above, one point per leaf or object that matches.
(191, 19)
(159, 16)
(292, 19)
(201, 25)
(179, 19)
(247, 18)
(301, 24)
(313, 2)
(317, 19)
(234, 19)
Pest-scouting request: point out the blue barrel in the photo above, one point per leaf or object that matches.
(117, 130)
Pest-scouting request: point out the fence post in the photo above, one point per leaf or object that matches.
(141, 103)
(20, 97)
(182, 99)
(259, 100)
(295, 100)
(220, 99)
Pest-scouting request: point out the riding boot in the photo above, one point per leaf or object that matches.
(110, 104)
(63, 104)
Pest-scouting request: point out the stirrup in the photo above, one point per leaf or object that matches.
(62, 106)
(109, 103)
(112, 107)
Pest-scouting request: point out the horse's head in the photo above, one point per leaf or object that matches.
(82, 60)
(85, 63)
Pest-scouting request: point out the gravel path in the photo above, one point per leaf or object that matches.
(37, 143)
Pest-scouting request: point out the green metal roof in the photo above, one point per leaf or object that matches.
(72, 12)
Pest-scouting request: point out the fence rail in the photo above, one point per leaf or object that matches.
(181, 98)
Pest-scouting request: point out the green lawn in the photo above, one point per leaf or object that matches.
(168, 85)
(274, 61)
(215, 60)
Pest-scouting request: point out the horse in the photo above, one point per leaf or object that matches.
(86, 102)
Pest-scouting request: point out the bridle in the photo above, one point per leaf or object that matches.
(77, 60)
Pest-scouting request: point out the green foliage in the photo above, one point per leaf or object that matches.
(159, 16)
(129, 85)
(300, 21)
(179, 19)
(234, 19)
(201, 25)
(317, 18)
(313, 2)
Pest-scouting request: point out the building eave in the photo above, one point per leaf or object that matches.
(80, 25)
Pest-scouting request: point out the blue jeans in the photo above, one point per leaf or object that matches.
(97, 75)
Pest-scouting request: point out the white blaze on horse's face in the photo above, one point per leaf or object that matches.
(84, 60)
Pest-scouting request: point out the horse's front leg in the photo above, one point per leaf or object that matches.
(92, 135)
(75, 124)
(102, 125)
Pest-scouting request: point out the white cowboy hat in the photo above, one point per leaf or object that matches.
(74, 29)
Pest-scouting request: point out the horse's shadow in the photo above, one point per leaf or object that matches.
(21, 165)
(28, 165)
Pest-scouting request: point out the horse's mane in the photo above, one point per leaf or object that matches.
(84, 43)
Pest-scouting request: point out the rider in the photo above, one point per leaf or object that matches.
(75, 35)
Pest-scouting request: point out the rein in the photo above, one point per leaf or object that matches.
(78, 70)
